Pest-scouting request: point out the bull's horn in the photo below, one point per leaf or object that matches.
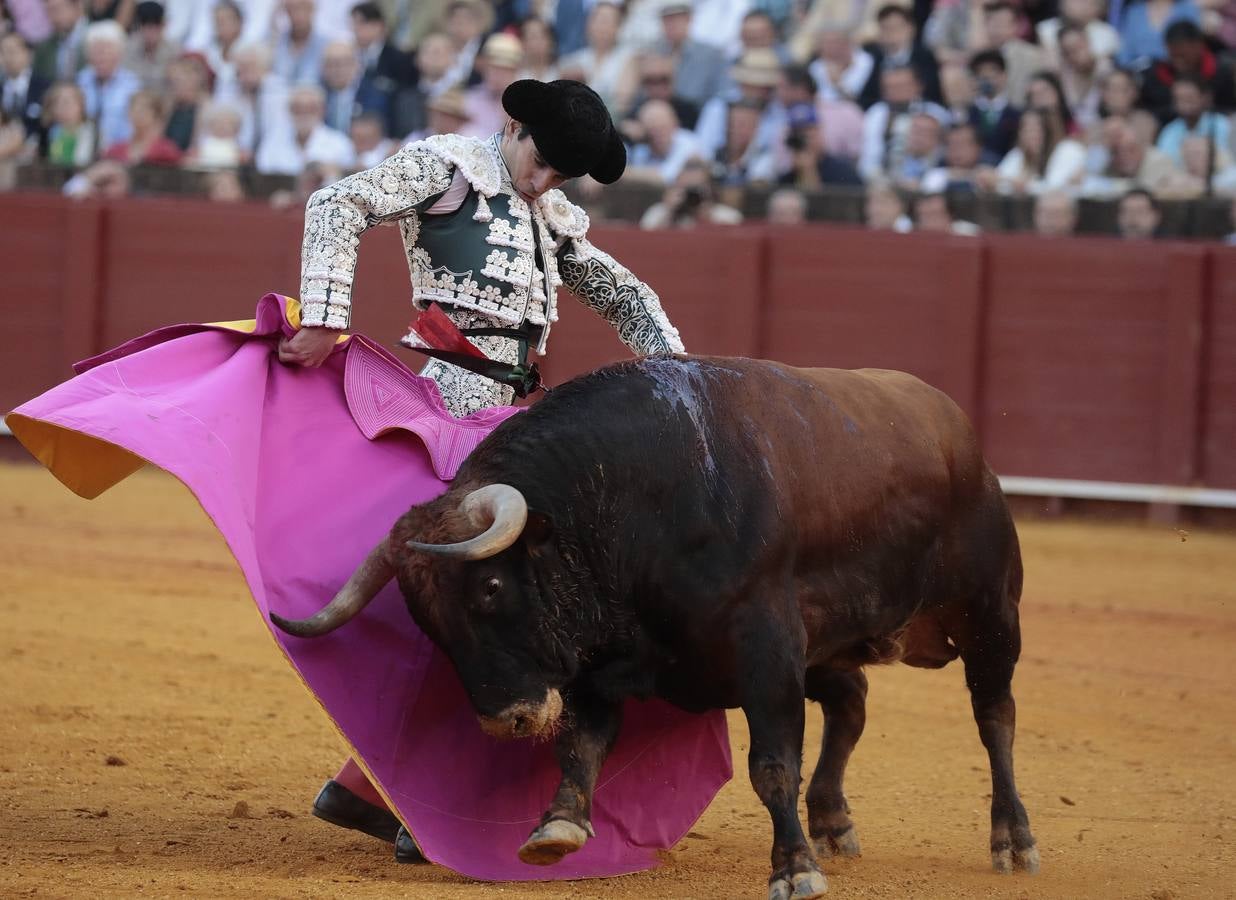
(498, 508)
(366, 581)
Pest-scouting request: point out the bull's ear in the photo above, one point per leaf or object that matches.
(538, 532)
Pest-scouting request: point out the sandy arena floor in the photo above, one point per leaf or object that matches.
(154, 743)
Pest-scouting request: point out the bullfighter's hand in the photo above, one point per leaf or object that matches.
(309, 347)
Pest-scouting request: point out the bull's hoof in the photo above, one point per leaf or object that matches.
(552, 841)
(799, 886)
(843, 844)
(1006, 860)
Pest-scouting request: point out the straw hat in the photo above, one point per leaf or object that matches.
(759, 67)
(503, 49)
(672, 7)
(451, 103)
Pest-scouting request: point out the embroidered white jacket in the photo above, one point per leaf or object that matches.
(337, 215)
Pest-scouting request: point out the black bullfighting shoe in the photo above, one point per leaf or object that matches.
(339, 806)
(406, 850)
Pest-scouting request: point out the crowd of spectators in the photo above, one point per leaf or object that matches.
(921, 102)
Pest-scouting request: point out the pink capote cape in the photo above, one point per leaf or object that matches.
(303, 471)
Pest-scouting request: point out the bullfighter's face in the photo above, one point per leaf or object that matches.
(491, 618)
(531, 175)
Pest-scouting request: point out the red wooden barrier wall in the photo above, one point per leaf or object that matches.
(1077, 359)
(1091, 350)
(50, 258)
(853, 299)
(170, 261)
(1217, 454)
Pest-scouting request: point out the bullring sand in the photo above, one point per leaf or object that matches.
(153, 742)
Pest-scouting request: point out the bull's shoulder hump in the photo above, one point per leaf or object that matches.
(774, 375)
(893, 385)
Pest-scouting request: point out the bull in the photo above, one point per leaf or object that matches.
(719, 533)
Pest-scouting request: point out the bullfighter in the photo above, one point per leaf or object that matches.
(489, 239)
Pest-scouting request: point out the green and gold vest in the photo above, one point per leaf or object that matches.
(484, 255)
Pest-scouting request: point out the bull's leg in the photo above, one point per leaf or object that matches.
(989, 648)
(843, 697)
(581, 750)
(773, 703)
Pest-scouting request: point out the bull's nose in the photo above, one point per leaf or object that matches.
(512, 724)
(524, 719)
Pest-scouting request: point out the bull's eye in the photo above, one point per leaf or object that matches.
(492, 586)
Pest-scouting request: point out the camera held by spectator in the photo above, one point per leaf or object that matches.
(810, 165)
(690, 201)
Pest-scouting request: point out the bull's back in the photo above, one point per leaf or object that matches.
(849, 431)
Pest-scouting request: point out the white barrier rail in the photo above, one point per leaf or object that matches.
(1116, 490)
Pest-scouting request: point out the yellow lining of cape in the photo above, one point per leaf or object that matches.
(85, 465)
(88, 466)
(291, 309)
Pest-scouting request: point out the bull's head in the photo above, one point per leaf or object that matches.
(479, 596)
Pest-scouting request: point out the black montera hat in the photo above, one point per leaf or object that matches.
(570, 126)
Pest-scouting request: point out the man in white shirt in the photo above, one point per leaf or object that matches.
(666, 146)
(307, 139)
(886, 125)
(717, 22)
(258, 93)
(106, 85)
(300, 46)
(340, 72)
(333, 18)
(191, 23)
(1104, 39)
(840, 68)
